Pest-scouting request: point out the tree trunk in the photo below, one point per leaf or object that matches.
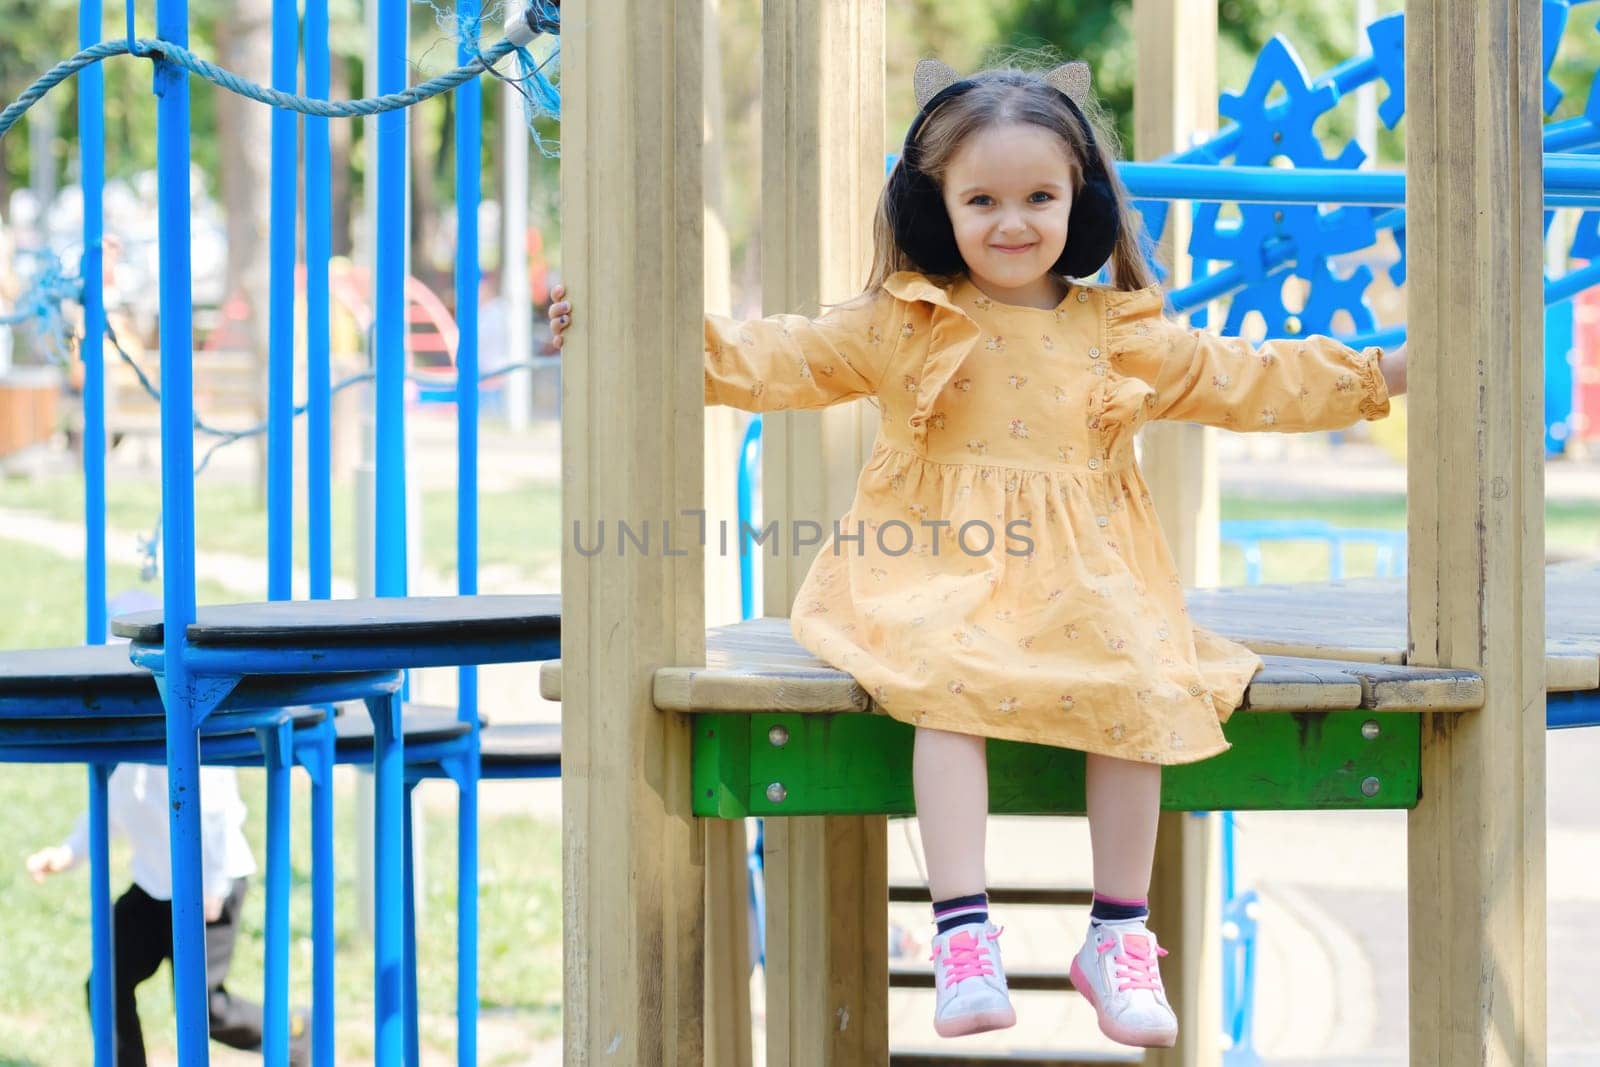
(244, 45)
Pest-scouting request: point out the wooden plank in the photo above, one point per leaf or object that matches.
(1381, 686)
(767, 682)
(632, 855)
(822, 133)
(1475, 490)
(728, 1031)
(804, 765)
(1365, 619)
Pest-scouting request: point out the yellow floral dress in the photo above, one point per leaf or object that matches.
(1001, 571)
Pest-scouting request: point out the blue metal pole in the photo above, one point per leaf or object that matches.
(409, 892)
(319, 512)
(389, 771)
(92, 162)
(469, 147)
(102, 1003)
(280, 306)
(324, 939)
(319, 251)
(390, 538)
(177, 499)
(467, 909)
(389, 300)
(277, 754)
(749, 463)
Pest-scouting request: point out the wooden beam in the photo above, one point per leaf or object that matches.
(728, 1033)
(822, 155)
(1175, 96)
(1476, 531)
(632, 857)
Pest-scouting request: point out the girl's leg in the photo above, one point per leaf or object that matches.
(1124, 803)
(950, 778)
(1117, 969)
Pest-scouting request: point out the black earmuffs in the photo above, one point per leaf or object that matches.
(922, 225)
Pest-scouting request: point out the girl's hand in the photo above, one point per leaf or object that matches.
(1393, 366)
(560, 314)
(48, 861)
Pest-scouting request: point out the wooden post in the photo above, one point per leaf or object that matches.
(728, 1036)
(632, 210)
(1175, 95)
(822, 158)
(1476, 506)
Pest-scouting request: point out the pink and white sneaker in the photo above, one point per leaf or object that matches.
(971, 982)
(1117, 971)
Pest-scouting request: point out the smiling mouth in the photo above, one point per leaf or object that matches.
(1011, 248)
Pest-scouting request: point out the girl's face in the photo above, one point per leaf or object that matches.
(1008, 190)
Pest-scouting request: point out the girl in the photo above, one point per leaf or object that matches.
(1002, 572)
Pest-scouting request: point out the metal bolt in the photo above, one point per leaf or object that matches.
(777, 793)
(1369, 787)
(1292, 324)
(779, 736)
(1277, 216)
(1370, 730)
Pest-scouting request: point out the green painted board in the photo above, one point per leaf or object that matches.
(856, 764)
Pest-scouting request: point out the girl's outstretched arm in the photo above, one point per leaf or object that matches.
(1290, 386)
(787, 361)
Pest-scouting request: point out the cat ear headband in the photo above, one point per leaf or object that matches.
(916, 207)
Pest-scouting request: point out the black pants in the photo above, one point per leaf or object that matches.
(141, 929)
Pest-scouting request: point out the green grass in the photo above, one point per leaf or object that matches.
(518, 529)
(43, 1019)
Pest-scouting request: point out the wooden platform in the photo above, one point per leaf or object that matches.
(779, 732)
(1365, 619)
(757, 666)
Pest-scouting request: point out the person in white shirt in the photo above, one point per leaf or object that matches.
(142, 917)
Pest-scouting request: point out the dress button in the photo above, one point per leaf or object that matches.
(1082, 296)
(1094, 353)
(1094, 464)
(1194, 690)
(1101, 520)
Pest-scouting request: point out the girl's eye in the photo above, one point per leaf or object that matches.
(1046, 196)
(983, 199)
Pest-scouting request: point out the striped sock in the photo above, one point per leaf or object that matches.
(959, 911)
(1113, 910)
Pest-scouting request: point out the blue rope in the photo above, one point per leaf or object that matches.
(542, 16)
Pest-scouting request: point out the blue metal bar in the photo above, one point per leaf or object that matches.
(319, 251)
(469, 147)
(92, 164)
(749, 465)
(1352, 74)
(389, 775)
(102, 1002)
(324, 938)
(1570, 181)
(1569, 135)
(409, 893)
(389, 299)
(276, 742)
(1265, 185)
(467, 908)
(280, 306)
(319, 512)
(177, 496)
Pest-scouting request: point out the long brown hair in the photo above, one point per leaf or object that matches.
(1012, 96)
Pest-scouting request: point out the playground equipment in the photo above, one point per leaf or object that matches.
(761, 728)
(229, 670)
(664, 723)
